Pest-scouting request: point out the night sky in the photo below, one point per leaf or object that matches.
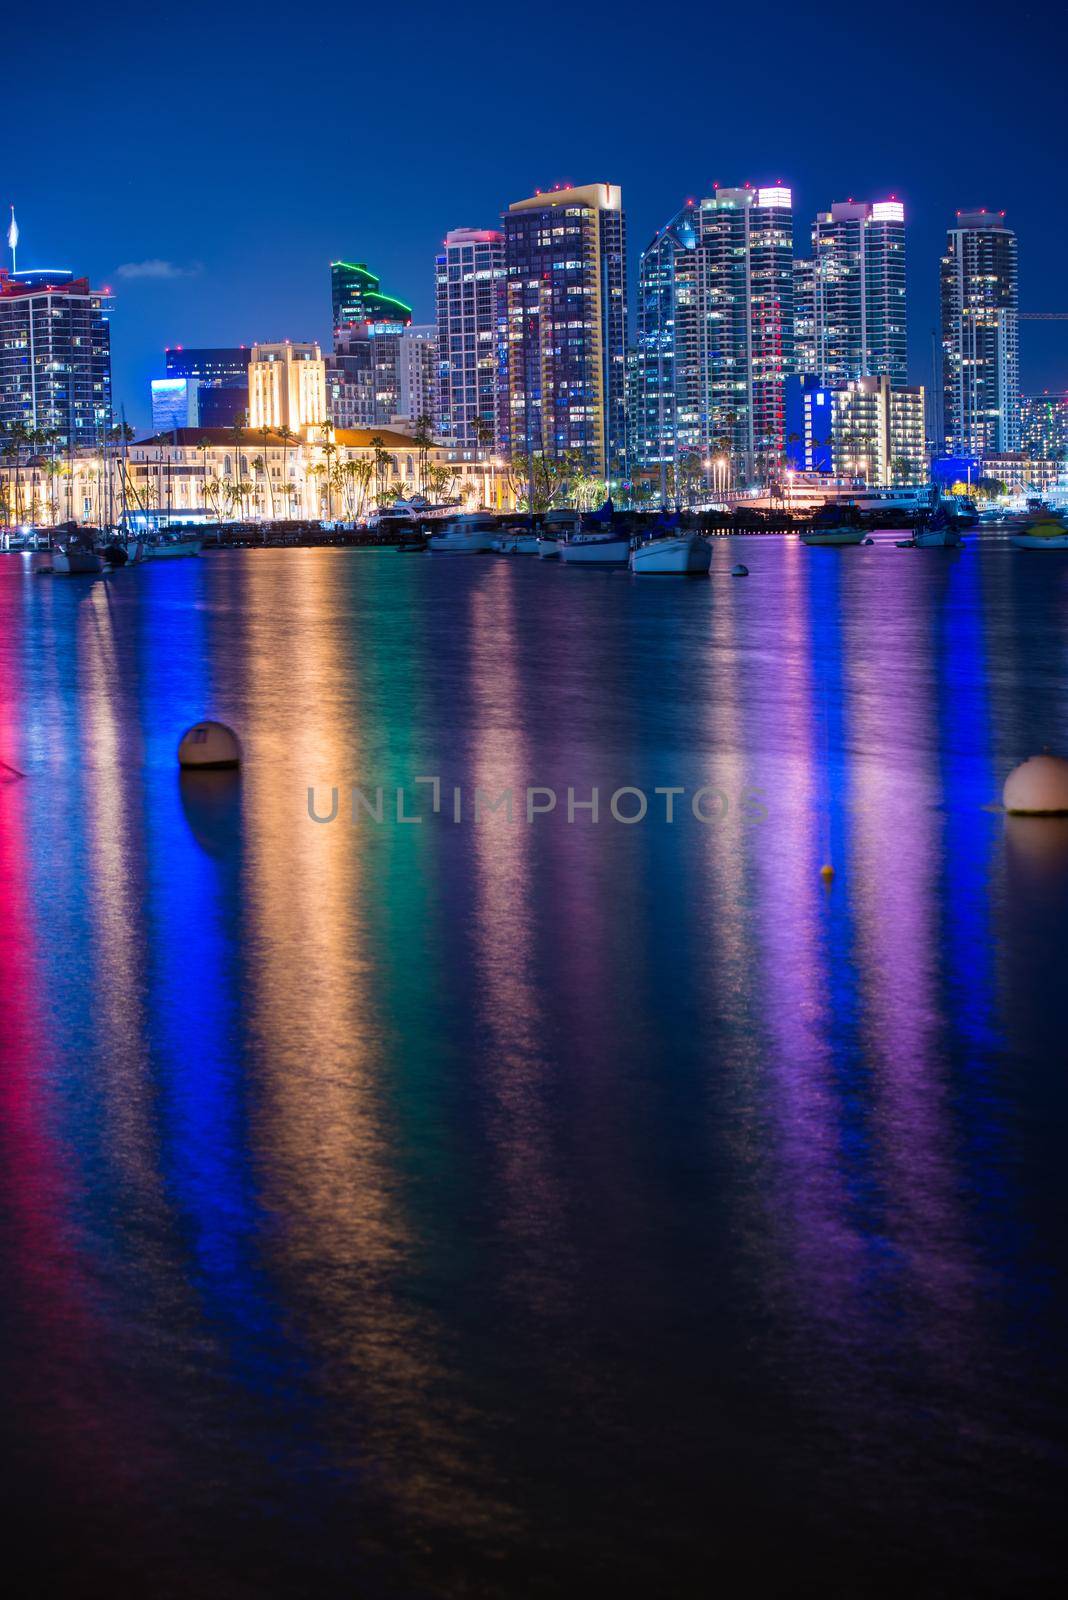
(207, 161)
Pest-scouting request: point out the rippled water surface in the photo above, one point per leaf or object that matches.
(485, 1208)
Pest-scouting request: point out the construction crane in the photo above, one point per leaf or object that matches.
(1043, 316)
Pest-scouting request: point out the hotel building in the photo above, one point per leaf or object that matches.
(850, 309)
(470, 279)
(980, 337)
(567, 326)
(55, 355)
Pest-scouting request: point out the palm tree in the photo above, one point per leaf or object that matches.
(288, 438)
(17, 435)
(329, 449)
(265, 434)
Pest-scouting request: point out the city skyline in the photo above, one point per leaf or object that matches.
(214, 236)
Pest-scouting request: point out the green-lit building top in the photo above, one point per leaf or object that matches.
(357, 296)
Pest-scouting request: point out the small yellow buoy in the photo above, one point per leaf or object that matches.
(208, 745)
(827, 872)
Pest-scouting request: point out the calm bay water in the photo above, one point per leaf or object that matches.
(494, 1208)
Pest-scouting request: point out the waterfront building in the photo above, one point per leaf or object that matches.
(55, 355)
(1044, 425)
(1026, 474)
(175, 403)
(220, 373)
(863, 429)
(745, 323)
(854, 292)
(664, 411)
(356, 296)
(980, 339)
(470, 280)
(567, 326)
(287, 386)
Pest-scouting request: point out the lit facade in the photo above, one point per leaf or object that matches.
(1044, 425)
(471, 278)
(805, 315)
(216, 474)
(381, 373)
(55, 355)
(854, 293)
(745, 323)
(664, 412)
(567, 326)
(864, 429)
(286, 387)
(980, 336)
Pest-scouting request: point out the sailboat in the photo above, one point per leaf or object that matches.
(672, 551)
(937, 529)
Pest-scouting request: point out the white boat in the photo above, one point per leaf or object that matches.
(169, 546)
(549, 548)
(938, 530)
(1049, 534)
(470, 534)
(595, 550)
(417, 509)
(74, 554)
(517, 542)
(836, 523)
(685, 553)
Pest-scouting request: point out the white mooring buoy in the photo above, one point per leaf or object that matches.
(209, 745)
(1037, 788)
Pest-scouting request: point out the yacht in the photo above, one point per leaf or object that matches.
(417, 509)
(472, 533)
(518, 542)
(685, 553)
(549, 547)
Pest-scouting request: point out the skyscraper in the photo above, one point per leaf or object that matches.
(356, 296)
(805, 315)
(664, 415)
(980, 345)
(857, 276)
(567, 316)
(55, 355)
(745, 322)
(471, 277)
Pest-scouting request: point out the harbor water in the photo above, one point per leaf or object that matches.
(481, 1206)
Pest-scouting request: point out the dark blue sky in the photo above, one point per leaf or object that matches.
(208, 160)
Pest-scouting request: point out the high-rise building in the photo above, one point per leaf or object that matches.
(1044, 426)
(55, 355)
(805, 315)
(220, 374)
(383, 373)
(980, 341)
(745, 322)
(567, 326)
(356, 296)
(858, 292)
(471, 278)
(287, 387)
(664, 412)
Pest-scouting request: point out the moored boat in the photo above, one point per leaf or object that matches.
(1049, 533)
(836, 523)
(686, 553)
(937, 529)
(595, 550)
(74, 553)
(549, 548)
(472, 533)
